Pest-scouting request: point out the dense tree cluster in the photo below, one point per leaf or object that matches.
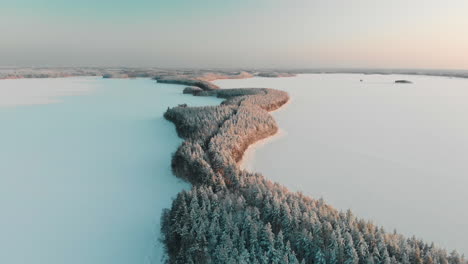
(273, 74)
(234, 216)
(187, 81)
(192, 90)
(267, 224)
(199, 123)
(267, 99)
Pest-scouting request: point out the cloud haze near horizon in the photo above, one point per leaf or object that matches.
(235, 33)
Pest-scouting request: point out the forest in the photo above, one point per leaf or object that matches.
(234, 216)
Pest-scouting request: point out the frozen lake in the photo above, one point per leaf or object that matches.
(85, 169)
(392, 153)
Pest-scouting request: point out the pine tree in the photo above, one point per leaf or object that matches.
(351, 256)
(267, 239)
(279, 248)
(405, 258)
(320, 257)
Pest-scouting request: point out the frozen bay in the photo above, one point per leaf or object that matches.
(85, 168)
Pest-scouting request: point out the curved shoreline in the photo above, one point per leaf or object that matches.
(249, 153)
(252, 148)
(235, 216)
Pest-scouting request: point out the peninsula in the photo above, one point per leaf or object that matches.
(235, 216)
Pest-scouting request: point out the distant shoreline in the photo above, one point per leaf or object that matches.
(208, 75)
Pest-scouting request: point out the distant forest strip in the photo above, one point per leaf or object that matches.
(201, 74)
(204, 85)
(231, 215)
(179, 76)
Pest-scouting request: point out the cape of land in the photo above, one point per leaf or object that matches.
(231, 215)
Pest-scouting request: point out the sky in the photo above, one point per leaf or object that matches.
(235, 33)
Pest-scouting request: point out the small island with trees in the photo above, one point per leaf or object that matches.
(403, 82)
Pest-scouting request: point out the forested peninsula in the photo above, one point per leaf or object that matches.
(235, 216)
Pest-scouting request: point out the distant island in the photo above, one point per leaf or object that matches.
(403, 81)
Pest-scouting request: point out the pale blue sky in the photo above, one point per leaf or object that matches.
(235, 33)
